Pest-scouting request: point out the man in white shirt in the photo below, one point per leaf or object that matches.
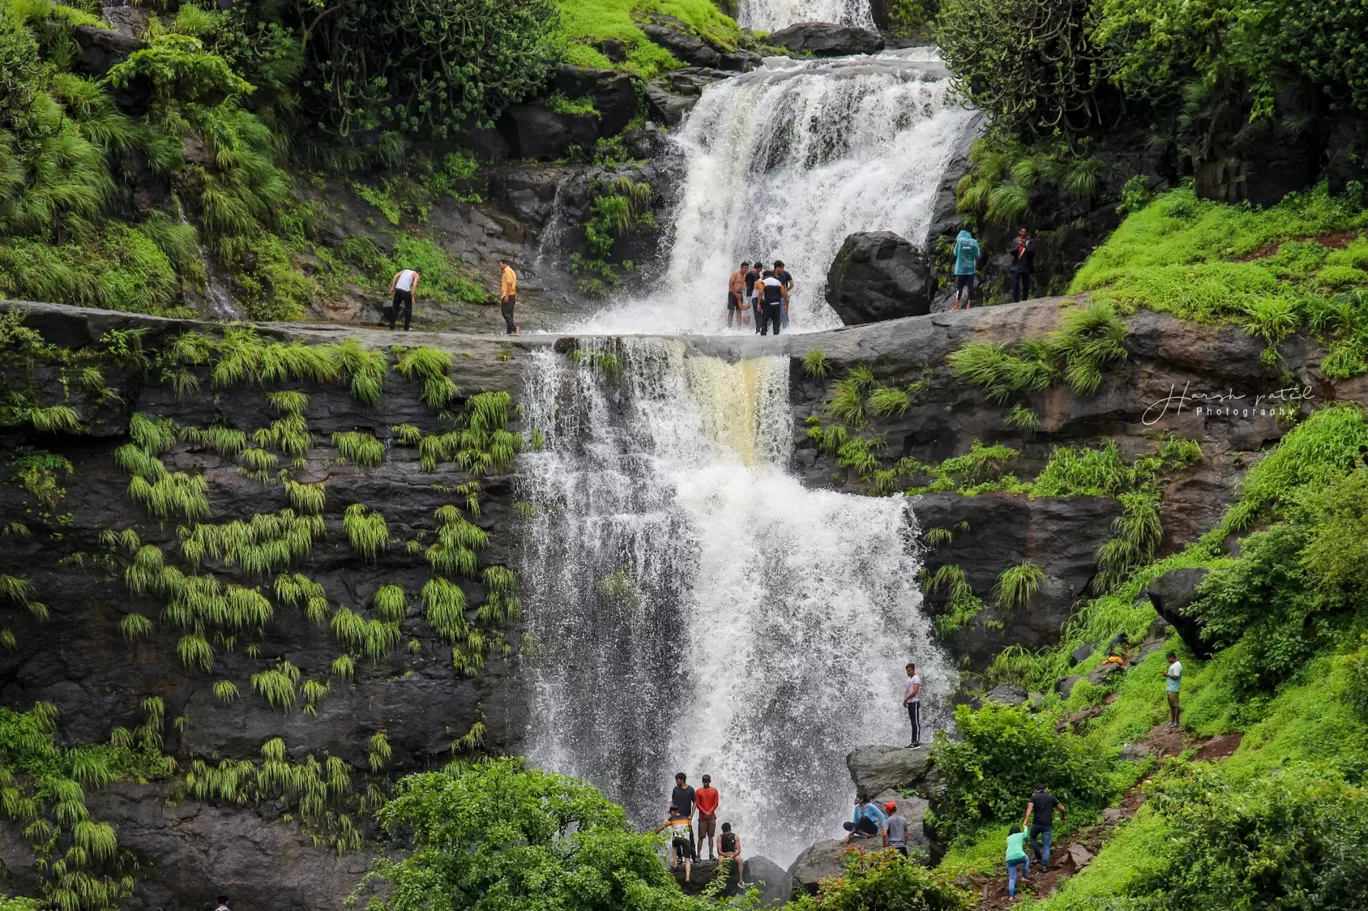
(912, 700)
(404, 286)
(1173, 681)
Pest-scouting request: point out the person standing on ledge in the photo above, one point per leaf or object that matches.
(403, 286)
(1023, 265)
(776, 301)
(683, 798)
(508, 295)
(707, 798)
(1173, 681)
(966, 266)
(753, 288)
(736, 302)
(786, 279)
(912, 702)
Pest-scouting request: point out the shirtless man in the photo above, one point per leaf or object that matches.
(736, 302)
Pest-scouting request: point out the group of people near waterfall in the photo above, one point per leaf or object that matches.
(753, 289)
(967, 253)
(686, 840)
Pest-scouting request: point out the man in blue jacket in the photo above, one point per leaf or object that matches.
(966, 265)
(867, 822)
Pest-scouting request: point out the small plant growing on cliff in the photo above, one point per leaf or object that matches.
(309, 499)
(390, 603)
(815, 364)
(961, 605)
(1017, 585)
(135, 627)
(1023, 418)
(378, 751)
(888, 400)
(225, 691)
(343, 667)
(361, 448)
(428, 367)
(277, 685)
(367, 531)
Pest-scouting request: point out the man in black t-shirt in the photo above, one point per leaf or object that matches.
(786, 279)
(1040, 816)
(682, 799)
(753, 293)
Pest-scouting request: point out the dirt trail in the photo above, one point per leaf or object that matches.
(1072, 853)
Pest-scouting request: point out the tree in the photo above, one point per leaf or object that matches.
(498, 836)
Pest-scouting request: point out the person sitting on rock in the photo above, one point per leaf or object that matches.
(867, 822)
(678, 826)
(895, 829)
(729, 848)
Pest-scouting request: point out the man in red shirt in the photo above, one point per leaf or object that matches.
(706, 799)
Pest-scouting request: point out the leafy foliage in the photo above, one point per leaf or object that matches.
(498, 836)
(885, 881)
(1002, 754)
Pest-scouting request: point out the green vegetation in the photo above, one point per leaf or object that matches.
(961, 604)
(1017, 585)
(885, 881)
(1266, 271)
(615, 213)
(586, 23)
(497, 835)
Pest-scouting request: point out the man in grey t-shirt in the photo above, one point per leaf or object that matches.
(895, 829)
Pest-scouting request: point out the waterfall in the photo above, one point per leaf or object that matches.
(690, 606)
(771, 15)
(783, 163)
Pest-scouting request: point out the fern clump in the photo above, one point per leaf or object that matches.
(367, 531)
(1017, 585)
(428, 367)
(361, 448)
(277, 686)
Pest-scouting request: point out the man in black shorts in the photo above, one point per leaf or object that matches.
(736, 304)
(1040, 816)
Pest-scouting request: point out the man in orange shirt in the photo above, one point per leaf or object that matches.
(508, 295)
(706, 800)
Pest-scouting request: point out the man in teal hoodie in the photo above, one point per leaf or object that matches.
(966, 264)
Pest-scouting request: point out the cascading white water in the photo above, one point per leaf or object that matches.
(770, 15)
(783, 163)
(691, 606)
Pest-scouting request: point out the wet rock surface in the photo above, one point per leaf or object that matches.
(878, 275)
(827, 39)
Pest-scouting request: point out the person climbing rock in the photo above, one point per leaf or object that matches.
(1040, 816)
(678, 827)
(683, 798)
(966, 267)
(776, 301)
(736, 287)
(1023, 264)
(1018, 864)
(508, 296)
(786, 278)
(753, 289)
(912, 702)
(403, 286)
(729, 848)
(895, 829)
(1173, 681)
(707, 798)
(867, 822)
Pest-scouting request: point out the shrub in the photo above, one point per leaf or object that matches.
(885, 881)
(1291, 841)
(1003, 753)
(528, 837)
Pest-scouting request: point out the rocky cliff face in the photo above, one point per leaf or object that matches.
(94, 526)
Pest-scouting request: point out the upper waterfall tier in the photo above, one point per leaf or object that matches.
(783, 163)
(690, 605)
(769, 15)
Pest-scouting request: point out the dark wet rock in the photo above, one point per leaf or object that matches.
(540, 134)
(879, 768)
(821, 860)
(1103, 671)
(1082, 653)
(878, 275)
(1171, 594)
(103, 49)
(827, 39)
(1134, 752)
(667, 107)
(1007, 694)
(613, 95)
(614, 50)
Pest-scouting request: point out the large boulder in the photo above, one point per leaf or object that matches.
(827, 39)
(613, 94)
(878, 275)
(1170, 594)
(821, 860)
(770, 878)
(102, 49)
(877, 768)
(540, 134)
